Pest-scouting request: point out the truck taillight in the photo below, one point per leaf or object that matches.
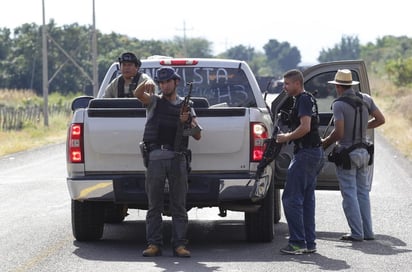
(75, 144)
(259, 134)
(179, 62)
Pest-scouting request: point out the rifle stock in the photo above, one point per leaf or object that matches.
(272, 150)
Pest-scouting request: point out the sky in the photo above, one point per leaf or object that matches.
(309, 25)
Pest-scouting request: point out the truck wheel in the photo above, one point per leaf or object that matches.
(278, 206)
(259, 225)
(115, 213)
(87, 220)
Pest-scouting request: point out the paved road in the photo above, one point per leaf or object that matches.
(35, 229)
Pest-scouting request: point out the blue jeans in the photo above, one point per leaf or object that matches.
(355, 185)
(176, 172)
(298, 196)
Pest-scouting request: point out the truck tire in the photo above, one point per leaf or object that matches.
(87, 220)
(115, 213)
(259, 225)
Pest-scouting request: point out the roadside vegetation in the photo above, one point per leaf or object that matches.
(32, 133)
(69, 58)
(394, 102)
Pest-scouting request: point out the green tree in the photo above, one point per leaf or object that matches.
(387, 48)
(348, 49)
(240, 52)
(5, 46)
(400, 71)
(21, 66)
(281, 56)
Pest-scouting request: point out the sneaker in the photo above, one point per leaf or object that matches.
(292, 249)
(348, 237)
(152, 251)
(310, 250)
(181, 251)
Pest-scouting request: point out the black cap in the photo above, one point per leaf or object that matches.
(166, 73)
(130, 57)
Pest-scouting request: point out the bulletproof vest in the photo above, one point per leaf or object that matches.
(312, 138)
(162, 126)
(132, 86)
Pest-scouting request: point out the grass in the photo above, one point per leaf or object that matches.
(33, 134)
(394, 103)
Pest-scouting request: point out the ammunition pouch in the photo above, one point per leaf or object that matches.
(340, 156)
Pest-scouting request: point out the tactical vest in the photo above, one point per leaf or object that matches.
(357, 103)
(312, 138)
(132, 86)
(162, 126)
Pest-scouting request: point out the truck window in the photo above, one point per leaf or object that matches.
(324, 92)
(218, 85)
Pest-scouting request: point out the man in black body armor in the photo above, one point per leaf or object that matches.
(298, 197)
(126, 83)
(167, 150)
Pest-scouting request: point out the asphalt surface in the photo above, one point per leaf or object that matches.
(35, 227)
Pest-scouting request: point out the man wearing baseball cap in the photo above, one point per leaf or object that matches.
(351, 112)
(167, 158)
(126, 83)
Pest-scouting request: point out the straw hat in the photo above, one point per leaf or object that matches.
(343, 77)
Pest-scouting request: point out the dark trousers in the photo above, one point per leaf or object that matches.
(174, 170)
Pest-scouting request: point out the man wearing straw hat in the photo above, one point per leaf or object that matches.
(351, 118)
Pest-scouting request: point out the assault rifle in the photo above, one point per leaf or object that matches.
(184, 129)
(272, 150)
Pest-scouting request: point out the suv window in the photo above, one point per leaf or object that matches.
(225, 86)
(324, 92)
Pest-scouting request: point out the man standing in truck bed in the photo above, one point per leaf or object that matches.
(125, 84)
(167, 159)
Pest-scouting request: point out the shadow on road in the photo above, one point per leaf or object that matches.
(222, 241)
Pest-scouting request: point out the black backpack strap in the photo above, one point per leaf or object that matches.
(357, 103)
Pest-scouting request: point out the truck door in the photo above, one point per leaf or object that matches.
(316, 82)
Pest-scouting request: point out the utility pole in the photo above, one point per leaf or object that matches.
(45, 71)
(94, 55)
(184, 29)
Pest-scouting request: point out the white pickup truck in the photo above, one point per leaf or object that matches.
(105, 168)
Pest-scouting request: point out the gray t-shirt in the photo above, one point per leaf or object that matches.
(112, 89)
(344, 111)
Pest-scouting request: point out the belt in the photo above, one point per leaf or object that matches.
(301, 146)
(160, 146)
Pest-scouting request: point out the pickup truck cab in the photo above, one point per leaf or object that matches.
(105, 168)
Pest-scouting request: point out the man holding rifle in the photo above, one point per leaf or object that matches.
(170, 122)
(298, 196)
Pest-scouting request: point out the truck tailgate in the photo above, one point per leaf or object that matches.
(112, 141)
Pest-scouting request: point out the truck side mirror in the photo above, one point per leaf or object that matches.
(81, 102)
